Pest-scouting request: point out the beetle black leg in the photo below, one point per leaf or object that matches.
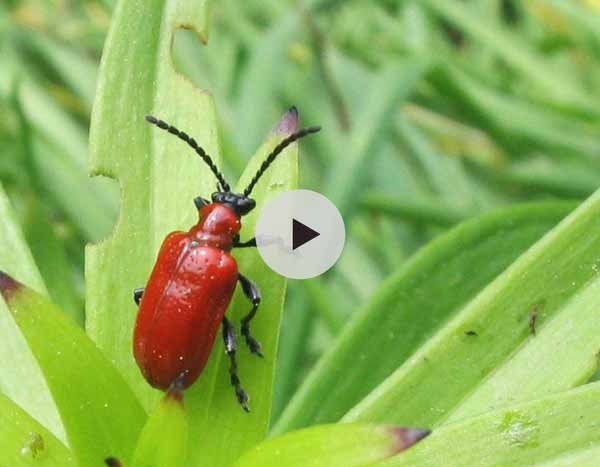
(200, 201)
(137, 295)
(230, 348)
(251, 291)
(248, 244)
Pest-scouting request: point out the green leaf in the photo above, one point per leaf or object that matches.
(163, 441)
(420, 210)
(546, 432)
(76, 69)
(504, 362)
(413, 304)
(100, 414)
(59, 157)
(444, 175)
(455, 138)
(24, 442)
(159, 175)
(226, 430)
(296, 327)
(340, 445)
(393, 85)
(21, 379)
(528, 124)
(158, 184)
(254, 106)
(552, 82)
(567, 179)
(584, 457)
(53, 262)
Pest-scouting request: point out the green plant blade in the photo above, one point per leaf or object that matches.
(528, 124)
(392, 86)
(22, 380)
(100, 414)
(340, 445)
(76, 70)
(24, 442)
(59, 153)
(419, 210)
(585, 457)
(552, 278)
(572, 337)
(412, 305)
(521, 435)
(551, 82)
(163, 441)
(158, 174)
(220, 426)
(52, 261)
(296, 326)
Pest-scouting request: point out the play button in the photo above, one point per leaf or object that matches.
(300, 234)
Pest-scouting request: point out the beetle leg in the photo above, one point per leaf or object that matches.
(137, 295)
(247, 244)
(230, 347)
(251, 291)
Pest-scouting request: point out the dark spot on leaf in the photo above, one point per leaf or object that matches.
(470, 332)
(112, 462)
(533, 316)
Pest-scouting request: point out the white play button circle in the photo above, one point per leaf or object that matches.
(300, 234)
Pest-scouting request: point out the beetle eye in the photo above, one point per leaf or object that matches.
(245, 205)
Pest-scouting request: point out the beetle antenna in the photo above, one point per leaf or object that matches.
(192, 142)
(278, 150)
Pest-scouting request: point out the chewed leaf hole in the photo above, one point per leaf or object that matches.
(186, 44)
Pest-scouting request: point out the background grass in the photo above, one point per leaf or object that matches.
(433, 112)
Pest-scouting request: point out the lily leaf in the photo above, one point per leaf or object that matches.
(158, 174)
(100, 414)
(163, 441)
(224, 429)
(537, 331)
(559, 430)
(24, 442)
(551, 82)
(413, 304)
(392, 86)
(339, 445)
(22, 380)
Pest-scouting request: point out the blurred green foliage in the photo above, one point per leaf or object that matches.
(433, 111)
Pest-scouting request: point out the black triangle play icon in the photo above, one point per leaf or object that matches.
(301, 234)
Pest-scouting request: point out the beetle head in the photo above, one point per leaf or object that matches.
(241, 204)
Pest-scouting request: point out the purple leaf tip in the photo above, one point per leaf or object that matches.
(8, 285)
(112, 462)
(289, 123)
(406, 437)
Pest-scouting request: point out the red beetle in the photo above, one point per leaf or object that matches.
(193, 280)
